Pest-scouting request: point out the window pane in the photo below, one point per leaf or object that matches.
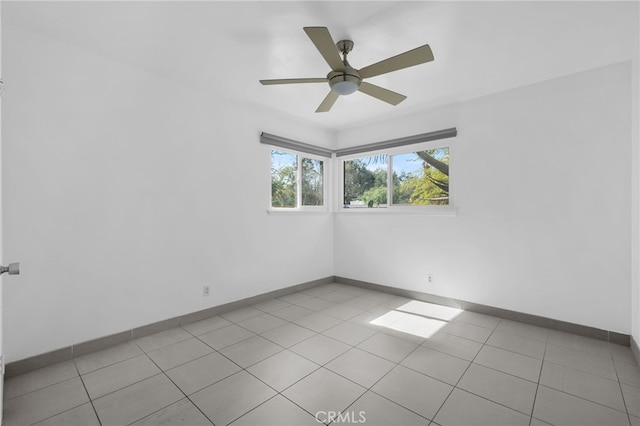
(284, 169)
(421, 178)
(365, 182)
(312, 182)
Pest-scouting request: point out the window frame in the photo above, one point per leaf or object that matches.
(326, 171)
(447, 210)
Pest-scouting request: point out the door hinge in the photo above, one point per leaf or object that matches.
(2, 365)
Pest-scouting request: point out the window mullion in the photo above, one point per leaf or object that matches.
(389, 181)
(299, 182)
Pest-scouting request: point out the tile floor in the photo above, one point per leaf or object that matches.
(375, 358)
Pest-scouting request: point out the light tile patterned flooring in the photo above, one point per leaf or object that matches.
(291, 360)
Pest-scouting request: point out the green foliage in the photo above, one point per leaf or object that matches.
(363, 184)
(431, 186)
(283, 186)
(422, 190)
(357, 179)
(375, 196)
(380, 178)
(402, 188)
(312, 182)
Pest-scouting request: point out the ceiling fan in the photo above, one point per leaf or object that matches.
(344, 79)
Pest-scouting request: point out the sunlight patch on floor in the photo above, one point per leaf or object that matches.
(388, 319)
(430, 310)
(417, 318)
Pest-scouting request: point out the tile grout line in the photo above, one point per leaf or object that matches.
(388, 335)
(599, 376)
(584, 399)
(624, 400)
(499, 371)
(535, 396)
(322, 366)
(578, 396)
(471, 362)
(68, 409)
(39, 389)
(264, 402)
(128, 358)
(308, 359)
(383, 376)
(465, 372)
(297, 381)
(248, 372)
(426, 375)
(112, 364)
(370, 389)
(224, 347)
(288, 349)
(456, 385)
(125, 387)
(177, 387)
(279, 393)
(88, 396)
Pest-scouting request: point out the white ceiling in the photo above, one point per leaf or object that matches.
(226, 47)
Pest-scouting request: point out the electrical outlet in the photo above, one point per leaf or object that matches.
(430, 278)
(206, 290)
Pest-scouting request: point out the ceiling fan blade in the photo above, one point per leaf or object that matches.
(383, 94)
(417, 56)
(293, 81)
(326, 46)
(328, 102)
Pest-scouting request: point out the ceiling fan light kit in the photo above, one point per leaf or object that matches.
(343, 79)
(344, 82)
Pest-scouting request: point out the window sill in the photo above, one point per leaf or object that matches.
(450, 211)
(447, 211)
(286, 212)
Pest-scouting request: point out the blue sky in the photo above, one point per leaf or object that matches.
(408, 163)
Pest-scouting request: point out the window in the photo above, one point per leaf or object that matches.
(297, 180)
(409, 175)
(397, 177)
(365, 182)
(284, 178)
(312, 182)
(421, 178)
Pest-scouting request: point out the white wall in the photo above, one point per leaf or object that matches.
(124, 193)
(542, 181)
